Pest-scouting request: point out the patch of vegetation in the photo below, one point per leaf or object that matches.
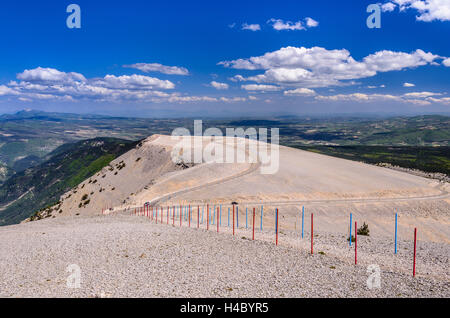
(364, 230)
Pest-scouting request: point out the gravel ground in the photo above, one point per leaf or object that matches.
(129, 256)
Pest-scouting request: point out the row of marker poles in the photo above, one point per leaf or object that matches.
(395, 241)
(145, 212)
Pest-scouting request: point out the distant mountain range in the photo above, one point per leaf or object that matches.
(33, 143)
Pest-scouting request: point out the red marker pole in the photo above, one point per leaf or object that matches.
(198, 217)
(414, 261)
(356, 242)
(253, 224)
(233, 218)
(276, 230)
(217, 220)
(312, 232)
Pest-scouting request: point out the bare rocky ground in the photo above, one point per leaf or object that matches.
(127, 256)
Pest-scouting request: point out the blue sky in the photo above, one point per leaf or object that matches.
(188, 58)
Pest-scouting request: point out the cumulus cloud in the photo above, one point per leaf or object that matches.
(421, 94)
(446, 62)
(260, 87)
(428, 10)
(4, 90)
(52, 84)
(48, 83)
(300, 92)
(219, 86)
(388, 7)
(280, 25)
(408, 85)
(133, 82)
(311, 23)
(233, 99)
(319, 67)
(156, 67)
(417, 98)
(48, 75)
(251, 27)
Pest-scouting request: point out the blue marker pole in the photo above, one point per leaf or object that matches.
(350, 238)
(303, 220)
(237, 217)
(262, 209)
(203, 209)
(395, 252)
(214, 218)
(246, 218)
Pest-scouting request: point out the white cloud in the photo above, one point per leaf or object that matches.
(237, 78)
(257, 87)
(300, 92)
(156, 67)
(133, 82)
(251, 27)
(311, 23)
(408, 85)
(388, 7)
(184, 99)
(319, 67)
(443, 100)
(417, 98)
(4, 90)
(421, 94)
(47, 83)
(280, 25)
(252, 97)
(233, 99)
(446, 62)
(45, 75)
(219, 86)
(52, 84)
(429, 10)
